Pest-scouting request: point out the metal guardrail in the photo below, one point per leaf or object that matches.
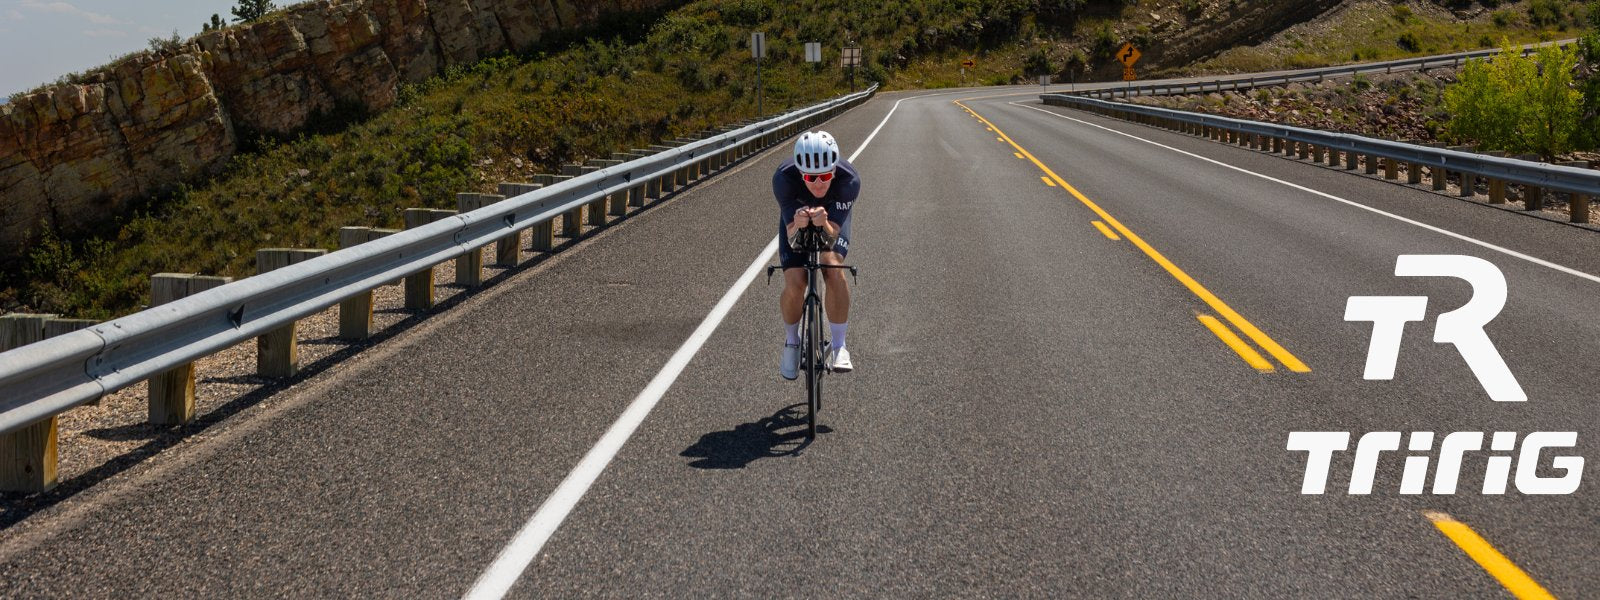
(1571, 180)
(44, 379)
(1246, 82)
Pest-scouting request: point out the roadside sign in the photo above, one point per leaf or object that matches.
(969, 63)
(1128, 75)
(1044, 80)
(850, 57)
(1128, 55)
(813, 52)
(758, 45)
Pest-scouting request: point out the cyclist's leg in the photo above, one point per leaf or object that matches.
(790, 303)
(837, 287)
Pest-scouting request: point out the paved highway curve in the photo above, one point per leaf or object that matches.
(1044, 405)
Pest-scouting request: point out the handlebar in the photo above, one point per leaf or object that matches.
(809, 266)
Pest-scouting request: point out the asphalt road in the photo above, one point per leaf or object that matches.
(1038, 410)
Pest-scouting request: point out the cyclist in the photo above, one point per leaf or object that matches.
(815, 187)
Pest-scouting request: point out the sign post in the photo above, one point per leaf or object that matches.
(758, 50)
(1044, 81)
(813, 52)
(966, 64)
(850, 57)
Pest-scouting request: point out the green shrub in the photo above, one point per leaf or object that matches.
(1408, 42)
(1545, 13)
(1516, 103)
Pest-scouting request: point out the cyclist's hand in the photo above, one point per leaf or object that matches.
(802, 217)
(819, 216)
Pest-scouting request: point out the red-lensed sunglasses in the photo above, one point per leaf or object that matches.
(809, 177)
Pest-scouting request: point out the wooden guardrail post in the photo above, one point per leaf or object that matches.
(1317, 153)
(1497, 187)
(686, 172)
(27, 455)
(542, 234)
(1468, 186)
(277, 352)
(1577, 204)
(170, 394)
(419, 285)
(505, 248)
(355, 312)
(1305, 151)
(572, 220)
(1413, 170)
(1391, 169)
(1439, 177)
(635, 193)
(668, 182)
(1372, 164)
(652, 186)
(1532, 195)
(1352, 160)
(596, 210)
(618, 204)
(469, 266)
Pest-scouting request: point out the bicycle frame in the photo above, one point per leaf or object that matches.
(812, 339)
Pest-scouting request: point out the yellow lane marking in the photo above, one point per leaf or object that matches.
(1000, 139)
(1048, 182)
(1244, 350)
(1019, 154)
(1515, 580)
(1106, 230)
(1238, 321)
(1033, 93)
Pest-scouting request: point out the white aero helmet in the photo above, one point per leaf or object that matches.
(816, 152)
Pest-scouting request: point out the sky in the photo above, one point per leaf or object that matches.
(41, 40)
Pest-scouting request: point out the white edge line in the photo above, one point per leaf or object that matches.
(517, 555)
(514, 559)
(1462, 237)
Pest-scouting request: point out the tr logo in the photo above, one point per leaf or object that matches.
(1462, 327)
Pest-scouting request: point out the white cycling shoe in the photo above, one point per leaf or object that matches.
(839, 360)
(789, 364)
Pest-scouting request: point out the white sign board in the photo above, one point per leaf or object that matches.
(1044, 80)
(813, 52)
(850, 57)
(758, 45)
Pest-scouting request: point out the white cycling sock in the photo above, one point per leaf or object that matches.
(791, 333)
(836, 331)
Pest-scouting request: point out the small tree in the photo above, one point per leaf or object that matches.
(1552, 105)
(215, 24)
(250, 10)
(1589, 80)
(1516, 103)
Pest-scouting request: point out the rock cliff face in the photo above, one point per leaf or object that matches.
(1236, 24)
(74, 155)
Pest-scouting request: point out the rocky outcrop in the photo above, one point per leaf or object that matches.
(74, 155)
(1234, 24)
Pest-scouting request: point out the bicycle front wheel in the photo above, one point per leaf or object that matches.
(814, 364)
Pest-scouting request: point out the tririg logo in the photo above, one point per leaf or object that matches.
(1463, 328)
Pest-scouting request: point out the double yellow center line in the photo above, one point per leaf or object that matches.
(1260, 338)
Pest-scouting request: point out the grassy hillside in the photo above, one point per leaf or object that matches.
(623, 86)
(1371, 30)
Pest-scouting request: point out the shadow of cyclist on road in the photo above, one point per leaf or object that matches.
(766, 438)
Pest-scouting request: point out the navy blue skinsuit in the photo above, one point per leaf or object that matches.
(791, 193)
